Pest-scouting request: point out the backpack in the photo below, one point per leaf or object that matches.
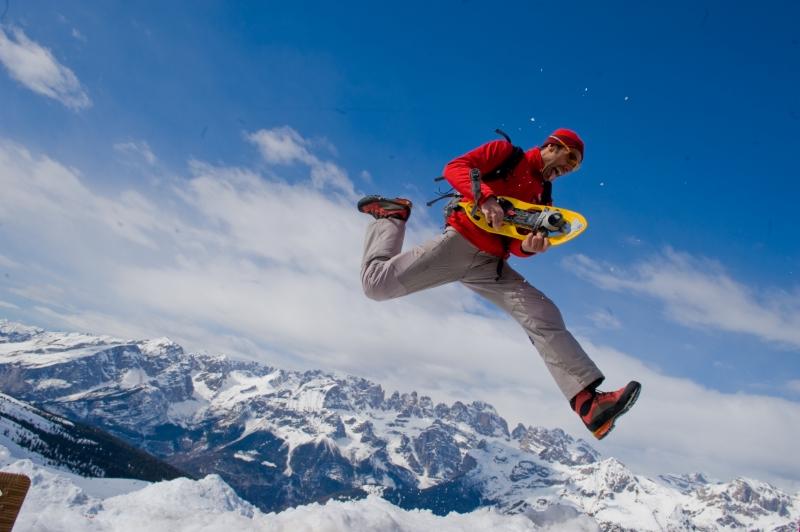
(502, 171)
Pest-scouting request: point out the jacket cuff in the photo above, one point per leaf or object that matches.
(516, 249)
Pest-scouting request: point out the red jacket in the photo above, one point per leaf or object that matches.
(525, 183)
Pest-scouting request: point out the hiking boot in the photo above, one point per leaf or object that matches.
(380, 207)
(599, 410)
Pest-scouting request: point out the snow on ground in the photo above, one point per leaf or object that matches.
(59, 501)
(309, 398)
(133, 378)
(186, 411)
(52, 383)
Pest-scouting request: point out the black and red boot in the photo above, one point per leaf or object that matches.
(380, 207)
(600, 410)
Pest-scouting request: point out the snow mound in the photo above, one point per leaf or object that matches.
(59, 502)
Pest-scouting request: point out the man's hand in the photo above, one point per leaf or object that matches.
(493, 212)
(535, 243)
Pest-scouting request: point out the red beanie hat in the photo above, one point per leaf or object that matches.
(563, 136)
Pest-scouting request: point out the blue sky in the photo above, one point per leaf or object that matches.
(143, 143)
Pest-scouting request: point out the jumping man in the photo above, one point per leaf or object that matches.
(477, 259)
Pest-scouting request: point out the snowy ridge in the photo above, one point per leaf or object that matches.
(49, 440)
(281, 439)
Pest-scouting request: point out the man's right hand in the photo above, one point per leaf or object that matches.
(493, 212)
(535, 242)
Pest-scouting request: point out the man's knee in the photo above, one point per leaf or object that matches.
(374, 292)
(377, 282)
(375, 287)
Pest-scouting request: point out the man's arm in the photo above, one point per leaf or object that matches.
(534, 243)
(485, 158)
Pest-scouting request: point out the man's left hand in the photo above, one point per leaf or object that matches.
(535, 243)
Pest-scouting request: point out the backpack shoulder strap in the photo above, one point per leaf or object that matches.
(547, 193)
(506, 167)
(509, 163)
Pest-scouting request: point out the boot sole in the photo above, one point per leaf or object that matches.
(394, 209)
(366, 200)
(608, 426)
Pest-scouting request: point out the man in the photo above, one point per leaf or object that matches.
(476, 258)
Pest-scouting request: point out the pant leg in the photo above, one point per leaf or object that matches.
(566, 360)
(387, 273)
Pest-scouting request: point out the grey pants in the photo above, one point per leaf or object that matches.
(387, 273)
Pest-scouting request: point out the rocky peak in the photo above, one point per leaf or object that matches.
(354, 393)
(480, 416)
(685, 483)
(555, 446)
(519, 431)
(16, 332)
(747, 497)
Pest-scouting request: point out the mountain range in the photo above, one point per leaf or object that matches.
(283, 439)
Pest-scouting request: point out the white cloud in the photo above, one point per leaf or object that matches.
(283, 146)
(231, 261)
(139, 149)
(793, 386)
(604, 319)
(698, 292)
(5, 304)
(5, 262)
(325, 144)
(35, 67)
(77, 35)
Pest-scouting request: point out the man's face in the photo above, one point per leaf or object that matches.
(559, 161)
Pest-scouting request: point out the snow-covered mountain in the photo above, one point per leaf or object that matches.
(283, 438)
(70, 446)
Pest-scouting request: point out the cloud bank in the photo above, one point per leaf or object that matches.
(227, 259)
(698, 292)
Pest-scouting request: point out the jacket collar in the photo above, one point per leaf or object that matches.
(535, 162)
